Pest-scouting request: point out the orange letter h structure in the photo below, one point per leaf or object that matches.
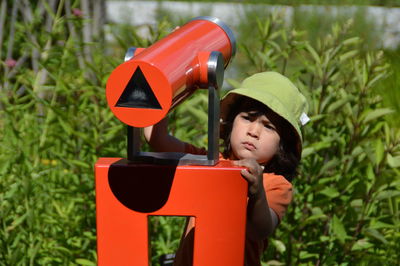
(127, 193)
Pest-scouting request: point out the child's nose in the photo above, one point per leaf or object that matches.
(254, 129)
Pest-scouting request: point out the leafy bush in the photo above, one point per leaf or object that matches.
(346, 203)
(54, 125)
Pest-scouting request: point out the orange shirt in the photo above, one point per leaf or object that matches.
(279, 195)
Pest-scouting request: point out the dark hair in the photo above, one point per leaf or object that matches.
(286, 160)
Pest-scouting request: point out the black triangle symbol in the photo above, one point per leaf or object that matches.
(138, 93)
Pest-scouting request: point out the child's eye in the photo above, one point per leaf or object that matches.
(246, 116)
(269, 126)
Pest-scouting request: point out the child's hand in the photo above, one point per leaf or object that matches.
(253, 175)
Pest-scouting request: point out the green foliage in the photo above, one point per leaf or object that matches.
(316, 21)
(308, 2)
(346, 202)
(55, 123)
(389, 88)
(165, 235)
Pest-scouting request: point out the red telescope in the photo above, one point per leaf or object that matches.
(152, 81)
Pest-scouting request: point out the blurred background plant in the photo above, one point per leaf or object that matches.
(306, 2)
(55, 59)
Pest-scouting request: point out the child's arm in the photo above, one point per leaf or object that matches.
(159, 139)
(261, 219)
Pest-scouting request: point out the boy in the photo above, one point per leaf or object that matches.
(261, 132)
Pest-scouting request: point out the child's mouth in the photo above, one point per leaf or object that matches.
(249, 146)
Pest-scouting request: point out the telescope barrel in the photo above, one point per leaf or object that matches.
(141, 91)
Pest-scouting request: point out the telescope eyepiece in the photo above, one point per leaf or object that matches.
(225, 28)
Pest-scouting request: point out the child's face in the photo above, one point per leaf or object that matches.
(253, 136)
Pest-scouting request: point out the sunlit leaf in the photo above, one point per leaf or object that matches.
(307, 151)
(330, 192)
(279, 245)
(272, 263)
(338, 104)
(372, 232)
(387, 194)
(307, 255)
(17, 222)
(338, 229)
(379, 151)
(377, 113)
(393, 162)
(348, 55)
(313, 53)
(380, 225)
(351, 41)
(361, 244)
(85, 262)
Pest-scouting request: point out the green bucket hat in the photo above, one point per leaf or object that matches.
(275, 91)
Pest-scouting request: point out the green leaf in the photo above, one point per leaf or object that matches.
(329, 165)
(379, 151)
(272, 263)
(351, 184)
(315, 217)
(374, 114)
(338, 229)
(200, 115)
(65, 125)
(306, 255)
(356, 203)
(336, 105)
(265, 28)
(375, 234)
(393, 162)
(371, 177)
(279, 245)
(350, 41)
(324, 238)
(365, 74)
(313, 53)
(361, 245)
(17, 222)
(350, 54)
(321, 145)
(330, 192)
(318, 117)
(387, 194)
(377, 78)
(307, 151)
(380, 225)
(80, 163)
(357, 151)
(85, 262)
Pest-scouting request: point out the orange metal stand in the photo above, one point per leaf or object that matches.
(126, 194)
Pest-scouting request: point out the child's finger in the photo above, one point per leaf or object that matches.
(248, 176)
(245, 172)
